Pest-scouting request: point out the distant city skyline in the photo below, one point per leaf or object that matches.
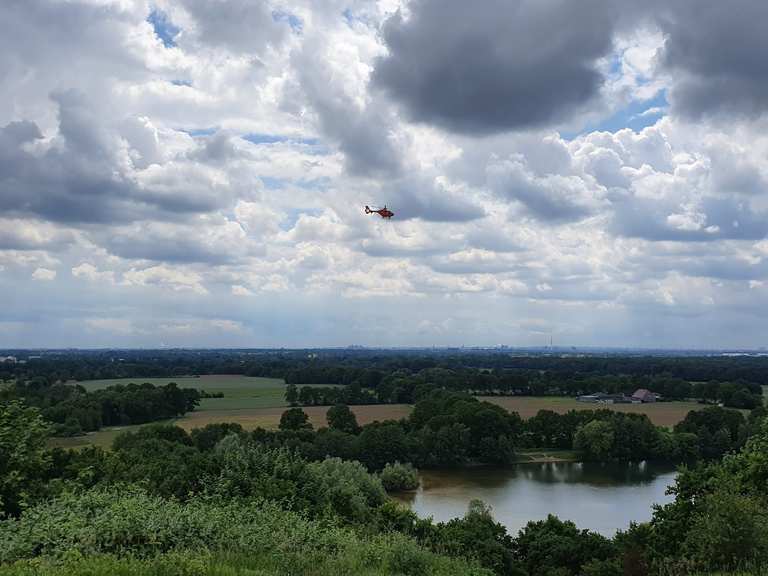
(185, 173)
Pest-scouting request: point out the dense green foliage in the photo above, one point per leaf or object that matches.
(396, 477)
(224, 501)
(73, 410)
(454, 429)
(259, 535)
(23, 458)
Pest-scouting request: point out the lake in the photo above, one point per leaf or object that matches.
(603, 497)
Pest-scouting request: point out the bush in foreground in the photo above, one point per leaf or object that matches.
(398, 477)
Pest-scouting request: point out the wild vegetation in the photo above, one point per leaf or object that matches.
(223, 501)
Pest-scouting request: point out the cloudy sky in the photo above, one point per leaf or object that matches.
(193, 172)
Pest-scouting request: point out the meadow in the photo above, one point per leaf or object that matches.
(240, 392)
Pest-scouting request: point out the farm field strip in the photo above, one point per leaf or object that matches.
(660, 413)
(270, 417)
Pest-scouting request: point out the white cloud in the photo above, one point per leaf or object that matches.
(91, 273)
(44, 274)
(169, 179)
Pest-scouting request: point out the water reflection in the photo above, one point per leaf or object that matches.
(603, 497)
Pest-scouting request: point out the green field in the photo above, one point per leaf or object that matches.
(240, 392)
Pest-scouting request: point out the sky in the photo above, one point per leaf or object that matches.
(193, 173)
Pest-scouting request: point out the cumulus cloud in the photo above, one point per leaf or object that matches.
(44, 274)
(500, 67)
(198, 171)
(551, 197)
(243, 26)
(716, 52)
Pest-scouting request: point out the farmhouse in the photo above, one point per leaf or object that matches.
(602, 398)
(644, 395)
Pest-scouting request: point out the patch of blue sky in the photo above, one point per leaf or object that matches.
(293, 21)
(164, 28)
(271, 183)
(182, 83)
(257, 138)
(351, 18)
(293, 216)
(637, 115)
(199, 132)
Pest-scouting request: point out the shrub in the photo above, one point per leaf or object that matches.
(397, 477)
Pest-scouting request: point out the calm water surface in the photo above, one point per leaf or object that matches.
(601, 497)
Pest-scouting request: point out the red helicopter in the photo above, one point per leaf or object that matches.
(383, 212)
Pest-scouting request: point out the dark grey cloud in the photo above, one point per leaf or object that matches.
(497, 66)
(82, 176)
(73, 180)
(717, 53)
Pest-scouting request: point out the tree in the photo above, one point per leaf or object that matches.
(478, 535)
(397, 477)
(291, 394)
(206, 438)
(23, 457)
(380, 444)
(295, 419)
(728, 532)
(340, 417)
(595, 439)
(553, 546)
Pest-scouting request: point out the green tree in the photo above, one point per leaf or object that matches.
(207, 437)
(291, 394)
(479, 536)
(552, 546)
(729, 530)
(340, 417)
(23, 456)
(295, 419)
(382, 443)
(397, 477)
(595, 439)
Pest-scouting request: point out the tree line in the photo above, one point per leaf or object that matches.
(447, 429)
(402, 388)
(73, 410)
(368, 366)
